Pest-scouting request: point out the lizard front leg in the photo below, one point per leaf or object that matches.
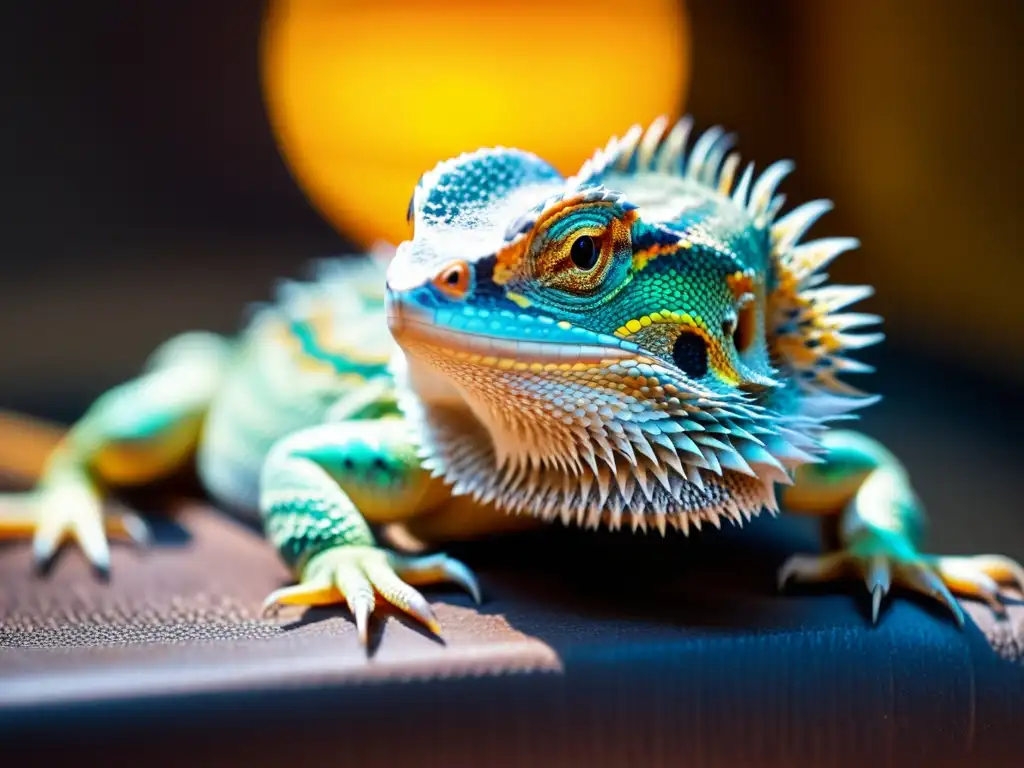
(138, 432)
(320, 489)
(868, 503)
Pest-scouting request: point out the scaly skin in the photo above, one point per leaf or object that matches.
(646, 344)
(306, 392)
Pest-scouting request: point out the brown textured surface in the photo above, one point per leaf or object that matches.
(589, 649)
(197, 602)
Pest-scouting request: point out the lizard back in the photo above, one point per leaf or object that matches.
(317, 341)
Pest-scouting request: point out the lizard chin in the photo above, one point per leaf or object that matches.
(599, 444)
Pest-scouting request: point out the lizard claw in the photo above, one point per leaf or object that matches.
(879, 581)
(434, 568)
(356, 575)
(53, 515)
(880, 563)
(981, 577)
(876, 602)
(810, 568)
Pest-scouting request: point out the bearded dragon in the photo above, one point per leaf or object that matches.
(646, 345)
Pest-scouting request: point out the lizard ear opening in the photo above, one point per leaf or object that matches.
(690, 354)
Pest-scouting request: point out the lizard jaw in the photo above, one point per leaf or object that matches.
(619, 438)
(503, 339)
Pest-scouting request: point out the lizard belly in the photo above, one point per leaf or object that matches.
(459, 518)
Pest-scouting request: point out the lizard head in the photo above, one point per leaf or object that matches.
(575, 351)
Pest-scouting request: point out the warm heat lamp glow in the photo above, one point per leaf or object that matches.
(364, 97)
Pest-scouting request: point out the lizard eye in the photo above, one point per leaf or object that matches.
(578, 266)
(584, 253)
(580, 254)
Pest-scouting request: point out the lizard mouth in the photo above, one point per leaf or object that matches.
(460, 339)
(503, 339)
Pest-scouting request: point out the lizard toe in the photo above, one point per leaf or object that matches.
(880, 566)
(356, 575)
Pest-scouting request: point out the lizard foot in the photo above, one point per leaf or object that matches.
(882, 559)
(52, 515)
(356, 574)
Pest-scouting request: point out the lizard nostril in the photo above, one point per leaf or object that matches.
(453, 280)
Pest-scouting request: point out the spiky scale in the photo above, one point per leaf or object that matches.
(741, 193)
(626, 148)
(701, 148)
(713, 163)
(788, 230)
(670, 157)
(764, 188)
(649, 143)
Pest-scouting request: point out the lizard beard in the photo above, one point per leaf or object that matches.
(561, 447)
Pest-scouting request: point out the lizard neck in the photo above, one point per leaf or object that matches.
(501, 454)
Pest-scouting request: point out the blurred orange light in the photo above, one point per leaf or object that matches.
(365, 97)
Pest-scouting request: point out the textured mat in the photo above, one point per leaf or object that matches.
(590, 649)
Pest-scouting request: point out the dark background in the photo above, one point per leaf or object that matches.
(143, 195)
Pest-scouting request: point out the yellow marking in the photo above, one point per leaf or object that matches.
(18, 528)
(134, 462)
(642, 258)
(506, 363)
(322, 324)
(810, 494)
(795, 350)
(741, 283)
(507, 262)
(417, 492)
(565, 325)
(518, 299)
(664, 316)
(305, 362)
(816, 322)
